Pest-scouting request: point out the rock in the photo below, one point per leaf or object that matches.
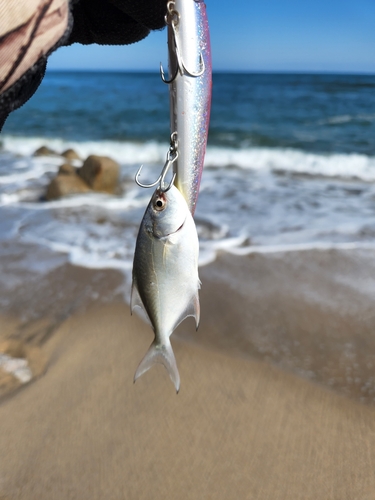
(101, 174)
(12, 347)
(65, 185)
(44, 151)
(70, 154)
(8, 383)
(67, 169)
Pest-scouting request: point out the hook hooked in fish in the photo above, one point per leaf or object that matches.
(172, 19)
(172, 156)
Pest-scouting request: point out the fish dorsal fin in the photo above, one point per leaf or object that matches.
(136, 304)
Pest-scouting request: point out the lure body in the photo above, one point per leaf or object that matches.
(190, 91)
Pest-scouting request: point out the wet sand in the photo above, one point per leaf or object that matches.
(250, 420)
(310, 312)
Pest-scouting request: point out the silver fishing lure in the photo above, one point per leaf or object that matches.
(190, 86)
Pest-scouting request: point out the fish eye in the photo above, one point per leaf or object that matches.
(159, 204)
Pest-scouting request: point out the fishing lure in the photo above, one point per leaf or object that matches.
(190, 88)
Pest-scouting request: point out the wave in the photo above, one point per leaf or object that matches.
(342, 119)
(353, 165)
(124, 152)
(301, 247)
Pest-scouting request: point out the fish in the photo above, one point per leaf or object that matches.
(165, 275)
(190, 89)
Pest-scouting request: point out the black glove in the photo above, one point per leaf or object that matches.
(25, 47)
(115, 22)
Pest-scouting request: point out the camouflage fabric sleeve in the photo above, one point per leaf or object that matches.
(31, 29)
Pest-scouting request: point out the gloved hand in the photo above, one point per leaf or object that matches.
(31, 29)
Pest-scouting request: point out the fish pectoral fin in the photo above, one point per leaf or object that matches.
(160, 353)
(136, 304)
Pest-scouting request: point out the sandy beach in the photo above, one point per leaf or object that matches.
(264, 410)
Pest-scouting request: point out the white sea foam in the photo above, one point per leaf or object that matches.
(288, 160)
(33, 170)
(301, 247)
(123, 152)
(86, 200)
(18, 367)
(241, 210)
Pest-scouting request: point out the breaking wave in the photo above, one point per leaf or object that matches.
(354, 165)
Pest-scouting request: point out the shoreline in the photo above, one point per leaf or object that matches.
(309, 313)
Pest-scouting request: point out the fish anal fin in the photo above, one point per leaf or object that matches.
(192, 309)
(160, 353)
(197, 310)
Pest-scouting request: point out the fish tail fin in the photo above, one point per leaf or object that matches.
(160, 353)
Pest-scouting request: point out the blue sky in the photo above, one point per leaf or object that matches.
(257, 35)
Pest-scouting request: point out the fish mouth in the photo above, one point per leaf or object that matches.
(178, 229)
(164, 236)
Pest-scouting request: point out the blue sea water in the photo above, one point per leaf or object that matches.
(290, 163)
(313, 113)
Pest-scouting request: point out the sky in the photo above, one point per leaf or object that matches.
(256, 35)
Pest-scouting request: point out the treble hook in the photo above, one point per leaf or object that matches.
(145, 185)
(181, 67)
(172, 156)
(160, 180)
(164, 172)
(162, 75)
(173, 20)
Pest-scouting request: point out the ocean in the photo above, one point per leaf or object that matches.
(290, 165)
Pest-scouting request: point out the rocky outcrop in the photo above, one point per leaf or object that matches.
(44, 151)
(64, 185)
(66, 169)
(70, 154)
(101, 174)
(98, 173)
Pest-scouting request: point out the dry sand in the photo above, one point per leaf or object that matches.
(240, 428)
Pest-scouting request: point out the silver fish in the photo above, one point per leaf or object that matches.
(190, 87)
(165, 274)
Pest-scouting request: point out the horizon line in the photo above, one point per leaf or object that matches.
(219, 71)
